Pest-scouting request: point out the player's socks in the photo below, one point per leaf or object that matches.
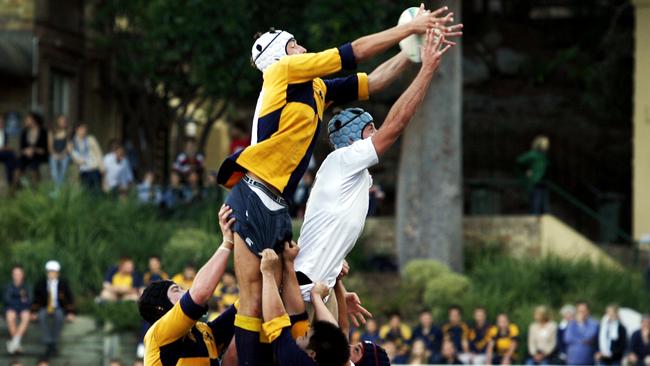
(250, 351)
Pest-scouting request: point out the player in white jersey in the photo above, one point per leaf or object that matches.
(338, 203)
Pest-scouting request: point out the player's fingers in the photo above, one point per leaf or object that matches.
(445, 50)
(354, 321)
(455, 27)
(454, 34)
(360, 318)
(231, 221)
(449, 42)
(439, 11)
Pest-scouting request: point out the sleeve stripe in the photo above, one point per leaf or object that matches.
(364, 91)
(348, 61)
(191, 309)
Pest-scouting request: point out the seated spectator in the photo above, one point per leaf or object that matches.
(88, 155)
(115, 362)
(188, 161)
(121, 282)
(175, 193)
(612, 338)
(479, 337)
(194, 189)
(227, 292)
(397, 332)
(148, 191)
(118, 175)
(568, 313)
(185, 278)
(33, 146)
(53, 303)
(428, 333)
(17, 302)
(42, 362)
(58, 142)
(420, 355)
(504, 339)
(448, 355)
(391, 352)
(7, 155)
(371, 333)
(155, 272)
(581, 337)
(640, 344)
(542, 338)
(457, 331)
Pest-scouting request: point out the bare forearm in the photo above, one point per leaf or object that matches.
(271, 301)
(339, 291)
(321, 312)
(402, 111)
(369, 46)
(208, 277)
(387, 72)
(291, 295)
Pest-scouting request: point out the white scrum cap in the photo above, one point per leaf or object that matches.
(269, 48)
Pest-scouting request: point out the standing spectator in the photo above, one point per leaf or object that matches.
(185, 278)
(194, 189)
(53, 303)
(428, 333)
(17, 301)
(612, 338)
(121, 282)
(59, 144)
(420, 355)
(377, 196)
(7, 155)
(155, 272)
(542, 338)
(239, 137)
(479, 337)
(371, 333)
(397, 332)
(504, 339)
(568, 313)
(581, 337)
(190, 160)
(640, 344)
(118, 174)
(448, 355)
(87, 154)
(148, 191)
(535, 165)
(33, 146)
(457, 331)
(175, 193)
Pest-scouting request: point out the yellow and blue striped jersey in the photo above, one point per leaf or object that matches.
(288, 115)
(178, 339)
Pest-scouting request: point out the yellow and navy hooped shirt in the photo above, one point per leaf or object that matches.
(279, 333)
(178, 339)
(288, 115)
(503, 339)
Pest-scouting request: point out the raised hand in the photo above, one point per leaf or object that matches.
(432, 51)
(226, 226)
(344, 271)
(291, 251)
(269, 262)
(319, 290)
(426, 19)
(358, 313)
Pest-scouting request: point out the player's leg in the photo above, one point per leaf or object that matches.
(247, 270)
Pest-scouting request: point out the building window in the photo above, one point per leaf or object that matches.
(60, 94)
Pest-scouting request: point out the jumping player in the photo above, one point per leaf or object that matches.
(176, 336)
(338, 204)
(285, 128)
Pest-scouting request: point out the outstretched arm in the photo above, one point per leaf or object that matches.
(321, 313)
(291, 296)
(403, 110)
(369, 46)
(387, 72)
(209, 275)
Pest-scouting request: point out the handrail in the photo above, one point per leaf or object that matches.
(565, 195)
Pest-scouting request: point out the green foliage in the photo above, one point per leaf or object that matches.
(447, 289)
(188, 246)
(119, 316)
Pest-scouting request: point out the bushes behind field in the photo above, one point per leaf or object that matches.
(89, 233)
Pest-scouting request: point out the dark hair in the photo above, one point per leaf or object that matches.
(329, 343)
(481, 308)
(17, 266)
(37, 118)
(156, 256)
(394, 313)
(189, 265)
(425, 311)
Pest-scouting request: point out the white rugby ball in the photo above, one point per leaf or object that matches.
(411, 44)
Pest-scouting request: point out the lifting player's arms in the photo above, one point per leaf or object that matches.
(338, 203)
(176, 335)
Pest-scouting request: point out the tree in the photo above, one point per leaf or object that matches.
(429, 194)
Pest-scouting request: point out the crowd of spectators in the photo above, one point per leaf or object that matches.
(112, 173)
(578, 339)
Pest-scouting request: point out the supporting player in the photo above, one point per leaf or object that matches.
(338, 203)
(176, 336)
(285, 128)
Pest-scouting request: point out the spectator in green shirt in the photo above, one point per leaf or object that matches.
(535, 165)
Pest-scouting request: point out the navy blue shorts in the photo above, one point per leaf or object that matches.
(260, 227)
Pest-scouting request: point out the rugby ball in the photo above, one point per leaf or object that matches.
(411, 44)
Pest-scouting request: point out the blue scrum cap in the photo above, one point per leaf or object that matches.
(347, 126)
